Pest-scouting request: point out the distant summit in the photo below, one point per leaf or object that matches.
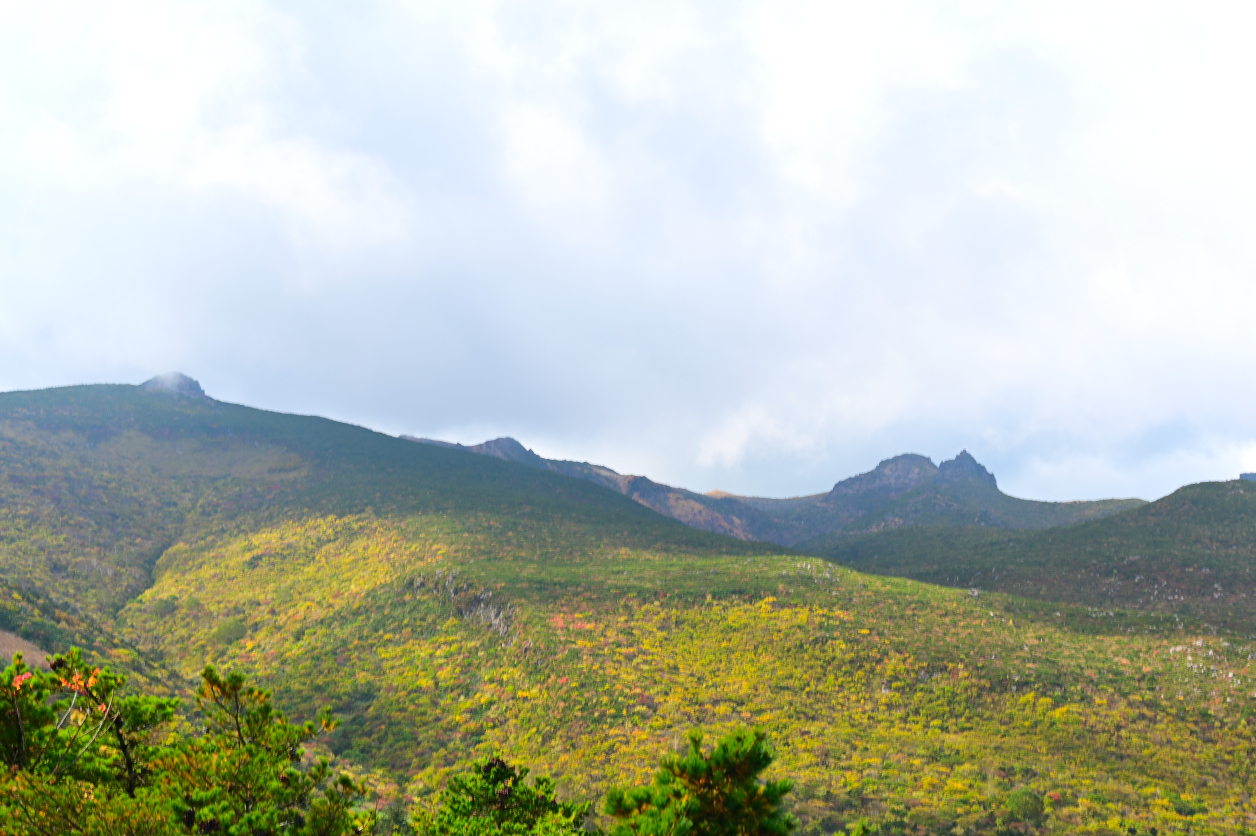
(175, 383)
(892, 477)
(907, 491)
(499, 448)
(963, 468)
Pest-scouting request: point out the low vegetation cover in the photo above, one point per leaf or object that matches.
(453, 609)
(97, 482)
(83, 757)
(915, 707)
(1189, 555)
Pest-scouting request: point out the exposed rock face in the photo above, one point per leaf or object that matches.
(175, 383)
(510, 450)
(962, 468)
(891, 477)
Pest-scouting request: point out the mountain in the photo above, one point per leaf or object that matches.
(98, 483)
(693, 509)
(1191, 553)
(905, 491)
(449, 606)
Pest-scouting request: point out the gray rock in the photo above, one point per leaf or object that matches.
(963, 468)
(175, 383)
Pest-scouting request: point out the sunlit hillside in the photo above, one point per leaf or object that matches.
(97, 482)
(913, 704)
(449, 605)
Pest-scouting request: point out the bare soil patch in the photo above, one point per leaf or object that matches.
(11, 643)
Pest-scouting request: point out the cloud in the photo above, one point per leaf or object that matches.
(188, 99)
(755, 246)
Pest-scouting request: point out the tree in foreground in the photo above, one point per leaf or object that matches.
(78, 752)
(719, 794)
(245, 776)
(494, 799)
(82, 757)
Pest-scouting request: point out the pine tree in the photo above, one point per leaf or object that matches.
(707, 795)
(494, 799)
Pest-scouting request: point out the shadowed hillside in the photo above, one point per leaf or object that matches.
(696, 510)
(1192, 553)
(906, 491)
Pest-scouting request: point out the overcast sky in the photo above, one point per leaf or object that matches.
(748, 246)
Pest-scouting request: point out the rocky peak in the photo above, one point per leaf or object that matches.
(512, 451)
(965, 468)
(174, 383)
(891, 477)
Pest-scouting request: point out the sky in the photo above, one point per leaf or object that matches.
(749, 246)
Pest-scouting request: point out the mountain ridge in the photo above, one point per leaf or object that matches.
(1192, 552)
(450, 607)
(907, 490)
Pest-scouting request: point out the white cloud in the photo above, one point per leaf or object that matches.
(188, 98)
(755, 246)
(830, 74)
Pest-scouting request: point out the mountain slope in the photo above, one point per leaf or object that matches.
(909, 491)
(917, 706)
(97, 482)
(450, 605)
(1192, 553)
(905, 491)
(696, 510)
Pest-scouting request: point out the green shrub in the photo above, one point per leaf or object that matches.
(165, 606)
(1024, 804)
(1183, 807)
(247, 774)
(80, 756)
(230, 631)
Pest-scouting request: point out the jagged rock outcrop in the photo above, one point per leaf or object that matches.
(963, 468)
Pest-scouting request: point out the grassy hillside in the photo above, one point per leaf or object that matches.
(97, 482)
(449, 605)
(918, 706)
(1191, 554)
